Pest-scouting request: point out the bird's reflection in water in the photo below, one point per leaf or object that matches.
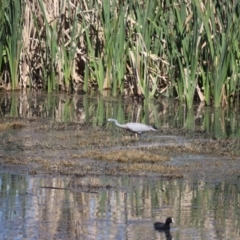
(167, 233)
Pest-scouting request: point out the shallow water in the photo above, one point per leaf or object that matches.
(44, 207)
(93, 110)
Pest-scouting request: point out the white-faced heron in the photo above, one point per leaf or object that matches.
(133, 127)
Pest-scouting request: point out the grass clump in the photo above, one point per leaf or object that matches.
(13, 125)
(126, 156)
(135, 161)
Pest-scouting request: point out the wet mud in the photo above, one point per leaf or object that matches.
(46, 147)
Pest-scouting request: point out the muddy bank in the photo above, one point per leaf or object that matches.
(81, 150)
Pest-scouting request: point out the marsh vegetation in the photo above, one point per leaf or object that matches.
(188, 50)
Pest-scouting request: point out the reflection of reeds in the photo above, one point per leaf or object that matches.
(194, 203)
(185, 50)
(82, 112)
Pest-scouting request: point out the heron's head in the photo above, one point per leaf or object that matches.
(111, 120)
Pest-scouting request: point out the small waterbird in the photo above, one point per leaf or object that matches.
(137, 128)
(164, 226)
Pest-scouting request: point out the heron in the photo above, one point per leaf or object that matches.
(133, 127)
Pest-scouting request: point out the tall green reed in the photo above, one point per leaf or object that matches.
(95, 62)
(119, 51)
(69, 48)
(202, 47)
(107, 18)
(145, 47)
(184, 49)
(49, 61)
(106, 46)
(2, 18)
(221, 26)
(13, 35)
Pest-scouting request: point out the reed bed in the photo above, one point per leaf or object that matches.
(183, 49)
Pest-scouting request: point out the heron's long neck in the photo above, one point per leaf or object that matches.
(119, 125)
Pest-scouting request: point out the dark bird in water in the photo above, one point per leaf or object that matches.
(133, 127)
(164, 226)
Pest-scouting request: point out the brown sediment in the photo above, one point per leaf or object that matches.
(61, 149)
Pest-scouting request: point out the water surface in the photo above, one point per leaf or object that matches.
(44, 207)
(94, 110)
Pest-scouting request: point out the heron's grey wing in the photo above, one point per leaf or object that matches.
(138, 127)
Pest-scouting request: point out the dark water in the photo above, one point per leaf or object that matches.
(104, 207)
(120, 208)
